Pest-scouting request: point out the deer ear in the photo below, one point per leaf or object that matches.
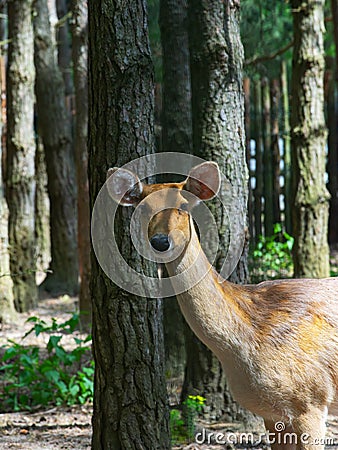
(124, 186)
(204, 180)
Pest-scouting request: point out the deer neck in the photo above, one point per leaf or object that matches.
(210, 305)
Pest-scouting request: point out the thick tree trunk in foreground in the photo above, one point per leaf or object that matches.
(55, 128)
(310, 218)
(20, 181)
(216, 56)
(80, 63)
(130, 410)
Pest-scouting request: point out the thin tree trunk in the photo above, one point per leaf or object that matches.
(216, 57)
(267, 160)
(80, 63)
(310, 219)
(64, 47)
(41, 209)
(258, 192)
(20, 182)
(287, 149)
(176, 107)
(333, 139)
(7, 310)
(247, 122)
(176, 136)
(130, 410)
(55, 128)
(275, 98)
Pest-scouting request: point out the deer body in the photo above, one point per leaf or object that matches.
(277, 341)
(266, 335)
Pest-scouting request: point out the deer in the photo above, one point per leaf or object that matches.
(277, 340)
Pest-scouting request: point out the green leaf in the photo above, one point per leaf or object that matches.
(74, 390)
(53, 342)
(52, 375)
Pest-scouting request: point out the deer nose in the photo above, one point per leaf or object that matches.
(160, 242)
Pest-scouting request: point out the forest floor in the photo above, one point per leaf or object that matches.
(63, 428)
(54, 428)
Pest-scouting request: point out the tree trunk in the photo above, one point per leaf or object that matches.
(41, 209)
(55, 128)
(247, 122)
(333, 140)
(64, 47)
(176, 136)
(275, 98)
(80, 64)
(20, 181)
(258, 192)
(216, 57)
(7, 310)
(267, 160)
(130, 404)
(176, 106)
(287, 149)
(310, 219)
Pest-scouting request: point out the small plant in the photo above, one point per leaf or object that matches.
(34, 377)
(177, 427)
(272, 257)
(183, 424)
(192, 406)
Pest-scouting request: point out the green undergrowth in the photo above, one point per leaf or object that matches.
(183, 421)
(34, 376)
(272, 256)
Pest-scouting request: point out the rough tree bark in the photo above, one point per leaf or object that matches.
(333, 149)
(308, 132)
(42, 231)
(176, 137)
(20, 182)
(216, 57)
(7, 310)
(258, 192)
(64, 46)
(54, 125)
(267, 160)
(130, 410)
(80, 64)
(275, 151)
(287, 148)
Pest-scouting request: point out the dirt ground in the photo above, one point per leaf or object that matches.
(54, 428)
(63, 428)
